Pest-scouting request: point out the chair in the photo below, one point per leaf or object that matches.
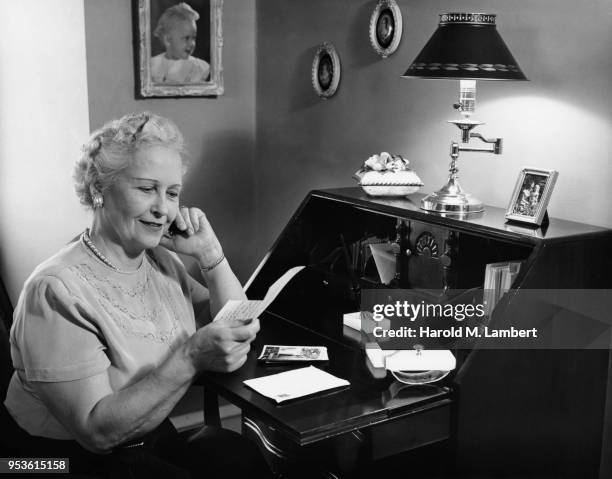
(6, 319)
(6, 371)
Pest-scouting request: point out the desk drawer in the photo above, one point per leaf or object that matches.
(341, 453)
(326, 458)
(408, 432)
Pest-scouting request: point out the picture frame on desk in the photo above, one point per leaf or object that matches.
(178, 48)
(531, 196)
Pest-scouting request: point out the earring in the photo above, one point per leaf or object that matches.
(98, 201)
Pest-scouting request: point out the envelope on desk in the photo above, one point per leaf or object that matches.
(411, 360)
(423, 360)
(295, 383)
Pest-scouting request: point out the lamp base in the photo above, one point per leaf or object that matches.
(451, 203)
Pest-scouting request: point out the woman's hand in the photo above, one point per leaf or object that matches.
(221, 346)
(101, 418)
(195, 237)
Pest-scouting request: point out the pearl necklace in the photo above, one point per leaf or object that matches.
(90, 244)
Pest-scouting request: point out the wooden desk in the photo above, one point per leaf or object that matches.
(531, 413)
(367, 402)
(371, 406)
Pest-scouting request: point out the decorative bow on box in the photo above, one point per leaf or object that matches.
(388, 175)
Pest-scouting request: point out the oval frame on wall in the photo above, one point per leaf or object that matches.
(325, 74)
(386, 27)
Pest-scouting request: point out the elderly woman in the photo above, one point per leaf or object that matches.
(111, 331)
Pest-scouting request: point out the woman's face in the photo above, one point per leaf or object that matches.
(144, 199)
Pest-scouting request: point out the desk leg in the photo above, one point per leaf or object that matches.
(333, 458)
(211, 408)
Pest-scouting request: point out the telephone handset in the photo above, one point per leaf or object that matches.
(173, 231)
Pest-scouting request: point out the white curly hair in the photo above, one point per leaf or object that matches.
(111, 148)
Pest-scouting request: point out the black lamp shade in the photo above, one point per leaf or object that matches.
(466, 46)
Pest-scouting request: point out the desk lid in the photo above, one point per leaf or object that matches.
(490, 222)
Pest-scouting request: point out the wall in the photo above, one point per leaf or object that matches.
(220, 132)
(561, 119)
(44, 116)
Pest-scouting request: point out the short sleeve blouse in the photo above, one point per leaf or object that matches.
(77, 317)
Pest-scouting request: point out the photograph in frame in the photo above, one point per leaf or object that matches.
(178, 48)
(325, 73)
(531, 195)
(386, 27)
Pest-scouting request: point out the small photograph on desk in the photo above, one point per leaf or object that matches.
(272, 353)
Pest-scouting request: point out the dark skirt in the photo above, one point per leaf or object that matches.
(211, 453)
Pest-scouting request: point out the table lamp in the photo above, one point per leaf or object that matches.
(465, 47)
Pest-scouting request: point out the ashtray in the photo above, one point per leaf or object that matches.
(419, 377)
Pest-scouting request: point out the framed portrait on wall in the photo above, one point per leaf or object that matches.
(531, 195)
(386, 27)
(325, 74)
(178, 48)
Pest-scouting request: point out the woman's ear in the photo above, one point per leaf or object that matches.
(94, 190)
(97, 198)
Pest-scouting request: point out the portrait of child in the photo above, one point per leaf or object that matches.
(176, 31)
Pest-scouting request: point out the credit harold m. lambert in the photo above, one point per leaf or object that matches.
(454, 332)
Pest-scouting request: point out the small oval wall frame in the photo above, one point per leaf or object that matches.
(325, 73)
(386, 27)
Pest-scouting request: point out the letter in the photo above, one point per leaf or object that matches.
(377, 316)
(377, 332)
(459, 308)
(481, 310)
(389, 310)
(405, 308)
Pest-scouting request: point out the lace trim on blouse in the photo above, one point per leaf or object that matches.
(146, 308)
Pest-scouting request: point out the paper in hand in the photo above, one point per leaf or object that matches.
(248, 309)
(237, 309)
